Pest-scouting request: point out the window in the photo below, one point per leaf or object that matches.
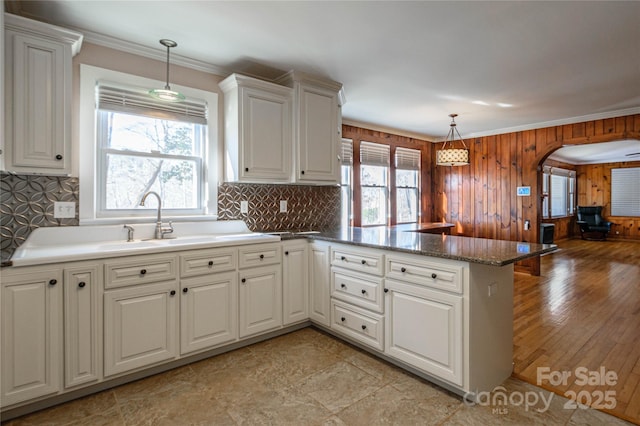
(374, 171)
(132, 143)
(625, 192)
(148, 145)
(558, 190)
(407, 183)
(346, 172)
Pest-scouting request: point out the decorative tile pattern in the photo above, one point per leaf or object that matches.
(26, 203)
(308, 207)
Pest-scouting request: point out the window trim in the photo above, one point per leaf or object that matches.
(87, 155)
(570, 201)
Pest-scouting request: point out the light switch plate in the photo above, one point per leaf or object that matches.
(283, 206)
(64, 210)
(244, 207)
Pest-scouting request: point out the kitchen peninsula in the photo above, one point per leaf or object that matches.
(106, 311)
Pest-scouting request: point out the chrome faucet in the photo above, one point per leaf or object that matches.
(160, 230)
(129, 233)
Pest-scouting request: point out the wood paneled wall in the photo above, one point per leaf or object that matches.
(594, 189)
(481, 198)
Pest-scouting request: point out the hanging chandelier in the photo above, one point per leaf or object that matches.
(452, 156)
(167, 94)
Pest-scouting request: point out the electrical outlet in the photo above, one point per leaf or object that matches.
(244, 207)
(527, 225)
(64, 209)
(283, 206)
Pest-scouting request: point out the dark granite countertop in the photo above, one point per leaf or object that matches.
(477, 250)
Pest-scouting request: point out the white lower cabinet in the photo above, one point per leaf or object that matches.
(319, 284)
(295, 286)
(260, 299)
(208, 311)
(140, 326)
(82, 324)
(424, 329)
(31, 334)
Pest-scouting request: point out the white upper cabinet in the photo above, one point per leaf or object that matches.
(317, 123)
(257, 130)
(38, 69)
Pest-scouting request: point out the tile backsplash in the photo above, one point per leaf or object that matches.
(308, 207)
(26, 203)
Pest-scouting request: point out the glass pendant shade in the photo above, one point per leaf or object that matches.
(167, 94)
(452, 156)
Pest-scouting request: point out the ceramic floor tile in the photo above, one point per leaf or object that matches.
(381, 370)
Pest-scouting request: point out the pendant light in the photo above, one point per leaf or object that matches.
(167, 94)
(452, 156)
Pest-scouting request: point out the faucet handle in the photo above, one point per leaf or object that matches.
(167, 229)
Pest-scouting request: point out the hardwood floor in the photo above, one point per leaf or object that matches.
(583, 311)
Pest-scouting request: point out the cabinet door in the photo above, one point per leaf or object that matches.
(295, 285)
(266, 136)
(38, 126)
(424, 329)
(260, 299)
(318, 135)
(319, 282)
(208, 311)
(82, 326)
(31, 335)
(140, 326)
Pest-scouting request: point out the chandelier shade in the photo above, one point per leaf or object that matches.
(452, 156)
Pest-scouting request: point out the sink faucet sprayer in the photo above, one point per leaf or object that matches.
(160, 230)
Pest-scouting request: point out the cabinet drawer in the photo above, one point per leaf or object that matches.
(139, 270)
(362, 290)
(202, 262)
(361, 325)
(368, 262)
(433, 274)
(259, 255)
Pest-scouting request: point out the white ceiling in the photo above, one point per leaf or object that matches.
(598, 153)
(404, 65)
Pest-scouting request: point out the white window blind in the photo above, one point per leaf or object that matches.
(558, 195)
(374, 154)
(407, 159)
(625, 192)
(137, 101)
(347, 152)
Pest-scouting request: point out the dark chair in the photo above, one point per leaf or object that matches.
(592, 225)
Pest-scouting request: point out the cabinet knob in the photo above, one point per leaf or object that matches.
(302, 172)
(364, 327)
(81, 284)
(434, 275)
(343, 258)
(210, 263)
(364, 291)
(143, 271)
(172, 292)
(58, 157)
(186, 289)
(246, 169)
(262, 256)
(244, 280)
(403, 269)
(343, 286)
(364, 262)
(386, 290)
(286, 253)
(53, 282)
(343, 319)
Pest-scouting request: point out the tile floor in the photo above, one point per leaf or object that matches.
(303, 378)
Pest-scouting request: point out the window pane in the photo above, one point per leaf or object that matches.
(129, 177)
(407, 205)
(407, 178)
(374, 206)
(145, 134)
(373, 175)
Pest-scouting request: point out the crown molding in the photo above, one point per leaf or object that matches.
(390, 130)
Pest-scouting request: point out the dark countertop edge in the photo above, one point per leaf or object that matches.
(437, 254)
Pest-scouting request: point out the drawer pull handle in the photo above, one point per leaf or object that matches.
(58, 157)
(434, 275)
(364, 262)
(81, 284)
(53, 282)
(343, 286)
(262, 256)
(172, 292)
(386, 290)
(364, 291)
(286, 253)
(211, 263)
(343, 319)
(403, 269)
(186, 289)
(364, 327)
(343, 258)
(244, 280)
(143, 271)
